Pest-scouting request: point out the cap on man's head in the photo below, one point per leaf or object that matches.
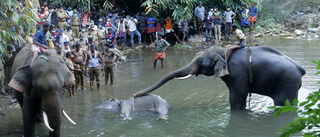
(93, 45)
(90, 39)
(61, 6)
(109, 24)
(90, 29)
(77, 45)
(68, 54)
(66, 43)
(61, 30)
(200, 2)
(81, 38)
(106, 48)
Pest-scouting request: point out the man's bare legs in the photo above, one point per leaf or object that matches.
(231, 49)
(35, 55)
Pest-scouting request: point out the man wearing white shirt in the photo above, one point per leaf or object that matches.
(63, 38)
(132, 23)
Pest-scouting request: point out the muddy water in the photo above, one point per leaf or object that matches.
(199, 105)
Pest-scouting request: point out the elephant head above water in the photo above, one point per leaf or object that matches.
(38, 89)
(274, 74)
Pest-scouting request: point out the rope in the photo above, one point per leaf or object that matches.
(133, 105)
(101, 92)
(250, 71)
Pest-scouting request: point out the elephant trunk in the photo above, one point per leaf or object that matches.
(179, 74)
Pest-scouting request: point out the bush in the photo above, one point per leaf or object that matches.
(308, 111)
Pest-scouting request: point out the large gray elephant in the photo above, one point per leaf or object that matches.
(38, 89)
(274, 74)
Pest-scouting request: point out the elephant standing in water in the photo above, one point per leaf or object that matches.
(38, 89)
(274, 74)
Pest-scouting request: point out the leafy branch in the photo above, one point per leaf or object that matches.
(308, 119)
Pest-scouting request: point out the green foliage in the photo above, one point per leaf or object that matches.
(12, 22)
(182, 9)
(308, 114)
(83, 4)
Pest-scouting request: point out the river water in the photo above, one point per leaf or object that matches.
(199, 105)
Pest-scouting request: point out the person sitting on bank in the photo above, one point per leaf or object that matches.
(39, 43)
(241, 40)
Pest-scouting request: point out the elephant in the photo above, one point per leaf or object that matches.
(150, 102)
(273, 74)
(38, 89)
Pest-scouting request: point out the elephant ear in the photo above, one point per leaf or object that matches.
(21, 81)
(220, 67)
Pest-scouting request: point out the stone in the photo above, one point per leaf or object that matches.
(315, 37)
(313, 30)
(298, 32)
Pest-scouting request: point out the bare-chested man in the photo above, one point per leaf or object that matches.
(79, 60)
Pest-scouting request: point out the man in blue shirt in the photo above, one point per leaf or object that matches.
(151, 21)
(143, 25)
(244, 13)
(253, 14)
(39, 42)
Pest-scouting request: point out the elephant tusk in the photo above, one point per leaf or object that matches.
(46, 122)
(182, 78)
(67, 117)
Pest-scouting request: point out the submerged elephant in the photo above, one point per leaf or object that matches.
(38, 89)
(146, 102)
(274, 74)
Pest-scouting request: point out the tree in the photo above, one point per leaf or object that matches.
(15, 22)
(308, 119)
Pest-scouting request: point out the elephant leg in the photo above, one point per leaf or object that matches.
(29, 116)
(238, 92)
(286, 90)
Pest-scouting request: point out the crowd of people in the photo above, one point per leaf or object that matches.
(85, 38)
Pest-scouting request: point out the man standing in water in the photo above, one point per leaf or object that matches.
(93, 61)
(161, 45)
(108, 55)
(79, 59)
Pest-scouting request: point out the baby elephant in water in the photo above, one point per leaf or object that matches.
(147, 102)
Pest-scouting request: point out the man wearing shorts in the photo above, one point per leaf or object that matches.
(244, 13)
(253, 14)
(39, 42)
(169, 29)
(161, 45)
(199, 13)
(151, 21)
(241, 40)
